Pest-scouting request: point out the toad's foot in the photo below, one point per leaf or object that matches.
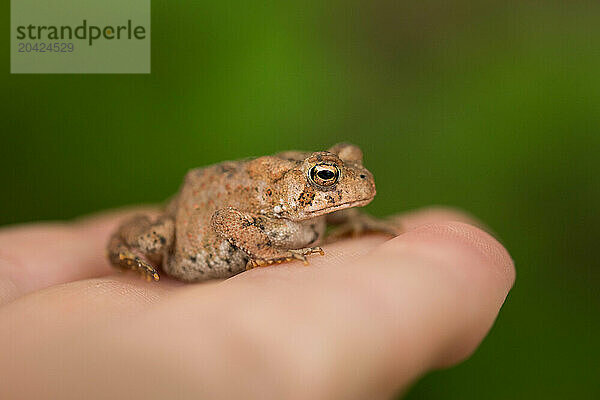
(289, 255)
(137, 264)
(141, 236)
(359, 224)
(125, 259)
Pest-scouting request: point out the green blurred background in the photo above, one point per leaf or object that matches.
(493, 107)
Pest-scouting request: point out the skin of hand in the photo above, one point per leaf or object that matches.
(362, 322)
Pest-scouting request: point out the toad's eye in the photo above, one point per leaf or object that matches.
(324, 174)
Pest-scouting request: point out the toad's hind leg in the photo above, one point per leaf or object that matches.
(140, 241)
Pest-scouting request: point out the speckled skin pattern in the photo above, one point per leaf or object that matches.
(238, 214)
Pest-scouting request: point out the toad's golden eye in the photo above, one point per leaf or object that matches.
(324, 175)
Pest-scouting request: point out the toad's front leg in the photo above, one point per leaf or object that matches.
(250, 233)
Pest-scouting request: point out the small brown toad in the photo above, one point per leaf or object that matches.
(240, 214)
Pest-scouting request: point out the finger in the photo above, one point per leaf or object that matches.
(363, 330)
(420, 301)
(315, 327)
(36, 256)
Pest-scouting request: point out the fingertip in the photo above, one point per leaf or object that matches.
(460, 269)
(462, 245)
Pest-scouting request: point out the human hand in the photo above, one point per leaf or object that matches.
(362, 322)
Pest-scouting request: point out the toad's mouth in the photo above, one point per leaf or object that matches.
(342, 206)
